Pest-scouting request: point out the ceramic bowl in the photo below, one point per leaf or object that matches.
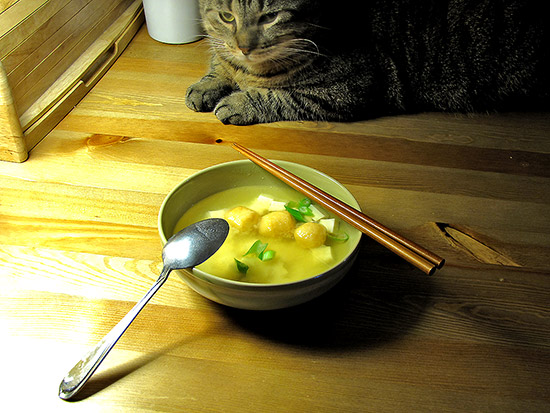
(240, 294)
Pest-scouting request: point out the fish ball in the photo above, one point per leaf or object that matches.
(242, 218)
(310, 235)
(277, 224)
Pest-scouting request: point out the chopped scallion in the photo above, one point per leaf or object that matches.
(266, 255)
(305, 211)
(241, 266)
(341, 237)
(298, 216)
(305, 202)
(260, 250)
(257, 248)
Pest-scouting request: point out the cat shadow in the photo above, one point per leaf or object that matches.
(378, 301)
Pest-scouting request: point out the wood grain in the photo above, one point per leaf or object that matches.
(5, 4)
(79, 246)
(40, 69)
(38, 26)
(14, 12)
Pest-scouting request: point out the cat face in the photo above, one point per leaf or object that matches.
(260, 35)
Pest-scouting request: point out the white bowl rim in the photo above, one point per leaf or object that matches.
(243, 285)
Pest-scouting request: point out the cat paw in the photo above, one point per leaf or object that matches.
(236, 109)
(203, 96)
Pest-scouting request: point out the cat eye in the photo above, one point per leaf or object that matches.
(227, 17)
(268, 18)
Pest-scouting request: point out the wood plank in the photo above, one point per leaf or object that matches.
(134, 153)
(6, 4)
(30, 34)
(38, 72)
(305, 140)
(70, 30)
(17, 12)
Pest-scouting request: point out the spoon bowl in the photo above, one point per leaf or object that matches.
(187, 248)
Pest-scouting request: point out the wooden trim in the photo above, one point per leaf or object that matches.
(12, 145)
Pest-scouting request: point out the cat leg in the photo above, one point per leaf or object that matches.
(253, 106)
(237, 109)
(204, 95)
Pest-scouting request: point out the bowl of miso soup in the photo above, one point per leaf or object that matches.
(282, 249)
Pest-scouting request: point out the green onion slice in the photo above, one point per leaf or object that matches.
(306, 202)
(241, 266)
(300, 209)
(304, 210)
(341, 237)
(257, 248)
(267, 255)
(260, 250)
(295, 213)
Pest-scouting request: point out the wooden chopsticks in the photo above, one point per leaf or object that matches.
(413, 253)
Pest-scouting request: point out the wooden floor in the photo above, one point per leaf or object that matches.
(79, 246)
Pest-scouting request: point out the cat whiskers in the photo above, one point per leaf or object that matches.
(293, 52)
(215, 42)
(302, 46)
(220, 46)
(286, 55)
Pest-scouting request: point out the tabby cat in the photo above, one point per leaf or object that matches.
(278, 60)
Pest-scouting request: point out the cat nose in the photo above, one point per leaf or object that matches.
(245, 50)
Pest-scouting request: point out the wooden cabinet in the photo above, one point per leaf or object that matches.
(51, 54)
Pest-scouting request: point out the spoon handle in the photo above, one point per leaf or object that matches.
(83, 370)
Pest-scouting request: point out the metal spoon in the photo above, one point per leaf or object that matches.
(189, 247)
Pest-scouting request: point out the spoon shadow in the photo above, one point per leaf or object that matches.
(102, 380)
(105, 379)
(378, 301)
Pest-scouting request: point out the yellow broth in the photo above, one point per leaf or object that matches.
(290, 263)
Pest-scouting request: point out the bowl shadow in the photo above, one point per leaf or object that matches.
(378, 301)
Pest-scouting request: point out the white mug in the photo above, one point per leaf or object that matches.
(173, 21)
